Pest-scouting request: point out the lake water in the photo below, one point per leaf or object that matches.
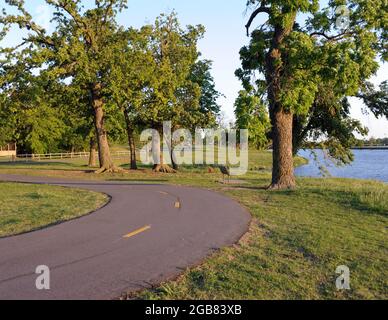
(368, 164)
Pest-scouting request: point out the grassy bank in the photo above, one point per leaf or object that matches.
(297, 238)
(26, 207)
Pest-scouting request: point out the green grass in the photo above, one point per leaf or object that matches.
(259, 161)
(296, 241)
(26, 207)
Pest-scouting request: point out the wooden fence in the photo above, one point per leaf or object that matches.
(117, 155)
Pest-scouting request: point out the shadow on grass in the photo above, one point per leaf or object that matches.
(41, 165)
(250, 188)
(351, 199)
(109, 183)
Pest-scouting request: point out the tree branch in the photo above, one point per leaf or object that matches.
(332, 38)
(261, 9)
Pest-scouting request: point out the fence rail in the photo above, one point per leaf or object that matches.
(62, 156)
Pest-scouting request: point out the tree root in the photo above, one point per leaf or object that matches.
(163, 168)
(113, 169)
(280, 187)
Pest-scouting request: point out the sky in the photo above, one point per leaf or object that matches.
(224, 21)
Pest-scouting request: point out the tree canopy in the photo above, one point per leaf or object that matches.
(91, 77)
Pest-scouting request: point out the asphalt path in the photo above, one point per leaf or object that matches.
(146, 234)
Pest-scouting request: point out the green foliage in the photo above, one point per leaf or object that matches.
(209, 108)
(67, 65)
(330, 118)
(160, 77)
(252, 114)
(170, 95)
(376, 100)
(153, 74)
(372, 142)
(29, 117)
(318, 65)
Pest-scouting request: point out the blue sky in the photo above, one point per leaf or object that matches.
(224, 21)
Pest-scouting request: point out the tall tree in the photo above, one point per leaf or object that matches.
(131, 80)
(80, 48)
(336, 45)
(251, 113)
(328, 121)
(170, 94)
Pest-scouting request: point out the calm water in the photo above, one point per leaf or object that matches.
(368, 164)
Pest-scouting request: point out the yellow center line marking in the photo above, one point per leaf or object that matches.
(136, 232)
(177, 203)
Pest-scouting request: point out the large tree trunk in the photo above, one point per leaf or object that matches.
(174, 163)
(93, 153)
(283, 161)
(157, 152)
(106, 162)
(282, 120)
(175, 166)
(131, 141)
(132, 148)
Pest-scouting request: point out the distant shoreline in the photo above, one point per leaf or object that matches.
(357, 148)
(371, 148)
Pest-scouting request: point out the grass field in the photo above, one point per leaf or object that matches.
(296, 241)
(259, 162)
(26, 207)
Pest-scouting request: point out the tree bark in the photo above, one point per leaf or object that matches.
(282, 120)
(93, 153)
(131, 141)
(175, 166)
(106, 162)
(159, 165)
(283, 160)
